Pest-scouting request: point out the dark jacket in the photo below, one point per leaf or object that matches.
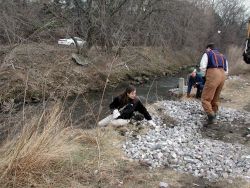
(127, 110)
(196, 81)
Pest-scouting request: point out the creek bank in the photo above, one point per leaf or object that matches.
(182, 145)
(41, 71)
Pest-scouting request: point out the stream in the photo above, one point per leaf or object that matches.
(85, 109)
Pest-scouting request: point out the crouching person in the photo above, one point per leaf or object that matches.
(195, 80)
(123, 108)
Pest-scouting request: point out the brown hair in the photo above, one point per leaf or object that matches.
(124, 96)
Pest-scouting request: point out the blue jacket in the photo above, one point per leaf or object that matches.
(197, 80)
(216, 59)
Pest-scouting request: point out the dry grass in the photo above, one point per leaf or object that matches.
(46, 153)
(236, 64)
(50, 70)
(42, 143)
(53, 74)
(149, 61)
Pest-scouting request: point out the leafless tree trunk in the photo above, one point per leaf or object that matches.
(175, 24)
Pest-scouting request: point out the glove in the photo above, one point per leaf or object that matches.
(152, 123)
(116, 114)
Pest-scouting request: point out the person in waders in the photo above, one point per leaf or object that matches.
(123, 108)
(215, 66)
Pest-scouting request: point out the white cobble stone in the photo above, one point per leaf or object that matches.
(183, 148)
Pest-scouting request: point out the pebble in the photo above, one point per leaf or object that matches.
(182, 146)
(163, 185)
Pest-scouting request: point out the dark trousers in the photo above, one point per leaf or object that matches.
(199, 91)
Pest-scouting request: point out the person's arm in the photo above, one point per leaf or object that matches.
(140, 108)
(226, 71)
(115, 104)
(203, 63)
(246, 46)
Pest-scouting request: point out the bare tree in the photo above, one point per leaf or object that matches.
(175, 24)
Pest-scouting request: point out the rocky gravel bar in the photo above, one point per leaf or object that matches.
(182, 147)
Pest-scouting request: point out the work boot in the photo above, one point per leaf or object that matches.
(211, 119)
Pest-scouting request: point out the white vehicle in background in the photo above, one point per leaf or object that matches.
(71, 42)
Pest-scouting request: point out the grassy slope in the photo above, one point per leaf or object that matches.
(49, 153)
(39, 71)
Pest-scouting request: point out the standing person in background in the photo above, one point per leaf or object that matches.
(123, 108)
(195, 80)
(215, 67)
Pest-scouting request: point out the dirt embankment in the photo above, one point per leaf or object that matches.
(39, 71)
(236, 92)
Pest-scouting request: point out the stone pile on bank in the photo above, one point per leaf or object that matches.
(182, 147)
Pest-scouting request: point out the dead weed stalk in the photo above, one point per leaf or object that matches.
(42, 142)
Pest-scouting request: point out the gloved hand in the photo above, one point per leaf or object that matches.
(152, 123)
(116, 114)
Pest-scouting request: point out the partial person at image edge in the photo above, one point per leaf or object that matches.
(123, 108)
(246, 53)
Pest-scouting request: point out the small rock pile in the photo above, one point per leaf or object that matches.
(182, 146)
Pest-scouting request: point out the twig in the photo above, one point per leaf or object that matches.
(100, 107)
(99, 153)
(104, 89)
(156, 90)
(25, 92)
(149, 91)
(91, 109)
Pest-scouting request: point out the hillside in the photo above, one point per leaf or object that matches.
(40, 71)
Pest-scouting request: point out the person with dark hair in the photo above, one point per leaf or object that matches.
(215, 66)
(123, 108)
(195, 80)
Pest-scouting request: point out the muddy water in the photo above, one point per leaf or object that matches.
(85, 109)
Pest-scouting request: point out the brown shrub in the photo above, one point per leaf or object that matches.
(42, 143)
